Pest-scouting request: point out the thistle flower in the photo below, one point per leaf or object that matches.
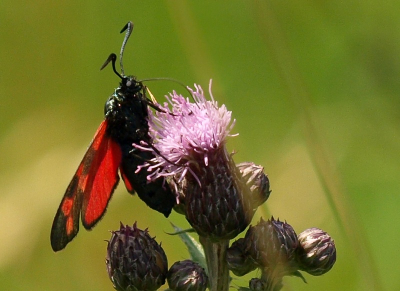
(135, 261)
(189, 147)
(317, 251)
(187, 133)
(187, 276)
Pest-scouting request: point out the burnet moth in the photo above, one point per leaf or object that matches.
(112, 150)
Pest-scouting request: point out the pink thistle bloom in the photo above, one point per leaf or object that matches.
(189, 145)
(186, 133)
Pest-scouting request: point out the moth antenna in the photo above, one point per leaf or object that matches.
(112, 58)
(129, 28)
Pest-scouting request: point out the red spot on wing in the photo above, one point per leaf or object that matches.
(69, 226)
(67, 205)
(66, 208)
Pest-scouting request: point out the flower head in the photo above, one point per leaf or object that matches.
(189, 145)
(186, 133)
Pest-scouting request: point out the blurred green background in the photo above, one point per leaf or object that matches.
(314, 87)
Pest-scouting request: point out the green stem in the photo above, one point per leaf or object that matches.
(273, 279)
(218, 272)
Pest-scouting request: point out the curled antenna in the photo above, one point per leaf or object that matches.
(112, 58)
(129, 28)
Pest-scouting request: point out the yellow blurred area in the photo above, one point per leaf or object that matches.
(314, 87)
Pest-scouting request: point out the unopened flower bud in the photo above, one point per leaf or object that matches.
(258, 182)
(272, 245)
(238, 259)
(135, 261)
(317, 252)
(257, 284)
(187, 276)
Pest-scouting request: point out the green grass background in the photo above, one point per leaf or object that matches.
(314, 87)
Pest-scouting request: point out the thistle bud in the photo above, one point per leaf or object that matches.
(135, 261)
(257, 284)
(238, 259)
(187, 276)
(272, 245)
(317, 252)
(258, 182)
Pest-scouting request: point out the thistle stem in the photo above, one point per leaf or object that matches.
(218, 272)
(273, 279)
